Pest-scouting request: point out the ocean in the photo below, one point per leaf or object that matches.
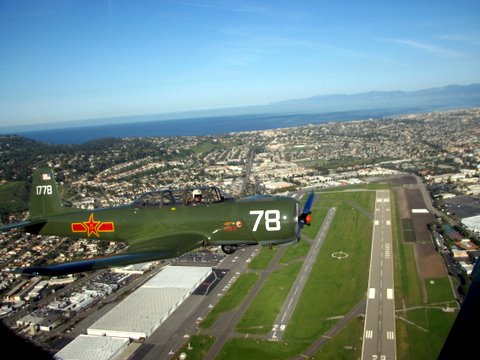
(193, 127)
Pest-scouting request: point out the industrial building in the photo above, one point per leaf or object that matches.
(93, 347)
(472, 223)
(143, 311)
(147, 308)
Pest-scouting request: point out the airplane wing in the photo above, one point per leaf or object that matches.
(150, 249)
(93, 264)
(15, 226)
(462, 335)
(30, 226)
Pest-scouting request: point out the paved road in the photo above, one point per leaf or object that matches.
(248, 169)
(379, 332)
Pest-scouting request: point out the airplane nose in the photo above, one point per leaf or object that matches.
(305, 218)
(308, 219)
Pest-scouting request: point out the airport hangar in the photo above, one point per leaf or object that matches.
(138, 316)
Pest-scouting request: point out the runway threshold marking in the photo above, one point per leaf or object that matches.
(390, 294)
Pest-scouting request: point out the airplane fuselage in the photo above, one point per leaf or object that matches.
(263, 220)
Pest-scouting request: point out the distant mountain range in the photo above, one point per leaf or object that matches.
(448, 97)
(440, 98)
(378, 102)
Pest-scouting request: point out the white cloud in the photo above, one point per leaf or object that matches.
(240, 7)
(436, 50)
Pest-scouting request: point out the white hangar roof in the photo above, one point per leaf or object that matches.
(143, 311)
(472, 222)
(184, 277)
(87, 347)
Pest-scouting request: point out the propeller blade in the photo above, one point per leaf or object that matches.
(308, 204)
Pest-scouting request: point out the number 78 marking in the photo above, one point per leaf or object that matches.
(272, 219)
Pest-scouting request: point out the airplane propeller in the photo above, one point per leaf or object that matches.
(305, 218)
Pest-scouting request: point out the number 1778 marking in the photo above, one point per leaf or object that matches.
(271, 219)
(43, 190)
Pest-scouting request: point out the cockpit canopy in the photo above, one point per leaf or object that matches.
(180, 197)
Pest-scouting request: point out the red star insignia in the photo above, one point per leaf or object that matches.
(92, 226)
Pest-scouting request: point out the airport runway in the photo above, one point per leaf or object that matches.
(291, 301)
(379, 331)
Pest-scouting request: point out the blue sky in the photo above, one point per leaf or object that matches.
(66, 60)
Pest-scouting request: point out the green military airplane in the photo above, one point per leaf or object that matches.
(162, 224)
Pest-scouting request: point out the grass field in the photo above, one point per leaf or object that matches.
(295, 251)
(423, 334)
(423, 328)
(263, 258)
(439, 291)
(251, 349)
(346, 345)
(199, 346)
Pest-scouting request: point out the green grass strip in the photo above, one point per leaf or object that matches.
(232, 299)
(262, 312)
(263, 258)
(196, 347)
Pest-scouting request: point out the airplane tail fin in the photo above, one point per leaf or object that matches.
(45, 198)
